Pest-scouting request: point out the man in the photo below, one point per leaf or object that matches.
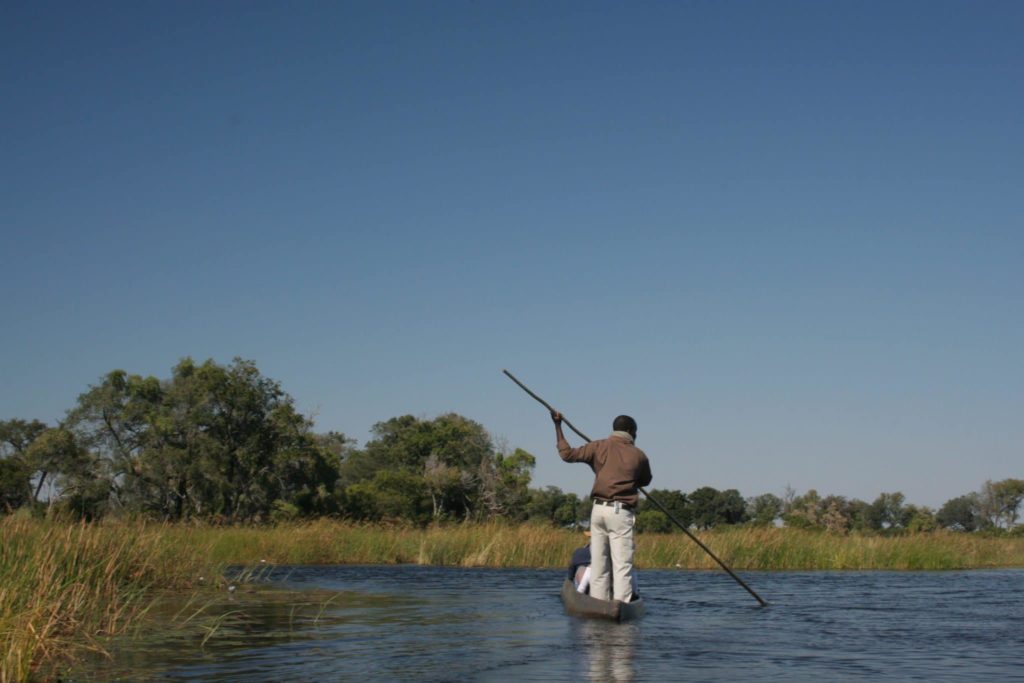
(619, 469)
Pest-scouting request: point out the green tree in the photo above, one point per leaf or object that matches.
(110, 421)
(55, 457)
(16, 436)
(711, 507)
(557, 507)
(702, 507)
(453, 456)
(445, 484)
(999, 502)
(960, 513)
(887, 511)
(653, 521)
(919, 519)
(860, 514)
(212, 441)
(15, 489)
(392, 495)
(764, 509)
(407, 442)
(803, 512)
(832, 513)
(676, 502)
(505, 484)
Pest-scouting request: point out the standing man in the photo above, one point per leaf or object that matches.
(619, 469)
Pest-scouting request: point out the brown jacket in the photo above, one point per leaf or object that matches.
(619, 466)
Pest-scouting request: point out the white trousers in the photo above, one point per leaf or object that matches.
(611, 552)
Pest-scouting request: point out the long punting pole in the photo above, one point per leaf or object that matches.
(653, 500)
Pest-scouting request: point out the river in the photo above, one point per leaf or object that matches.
(412, 623)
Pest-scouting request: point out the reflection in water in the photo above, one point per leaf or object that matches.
(420, 624)
(609, 649)
(233, 626)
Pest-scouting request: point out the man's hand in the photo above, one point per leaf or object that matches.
(556, 417)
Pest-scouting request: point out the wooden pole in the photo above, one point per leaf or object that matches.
(653, 500)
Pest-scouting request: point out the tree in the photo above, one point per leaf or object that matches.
(887, 511)
(835, 514)
(406, 442)
(505, 484)
(452, 455)
(802, 512)
(110, 421)
(764, 509)
(860, 514)
(654, 522)
(919, 519)
(212, 441)
(56, 454)
(960, 513)
(711, 507)
(391, 495)
(999, 502)
(16, 437)
(553, 505)
(543, 503)
(445, 484)
(15, 490)
(676, 502)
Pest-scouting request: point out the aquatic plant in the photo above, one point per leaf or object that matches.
(63, 587)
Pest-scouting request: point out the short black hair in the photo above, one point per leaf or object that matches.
(624, 423)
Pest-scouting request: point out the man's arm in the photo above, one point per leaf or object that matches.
(556, 417)
(567, 453)
(643, 476)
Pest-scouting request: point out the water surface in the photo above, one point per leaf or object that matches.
(411, 623)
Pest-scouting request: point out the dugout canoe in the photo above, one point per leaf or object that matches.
(581, 605)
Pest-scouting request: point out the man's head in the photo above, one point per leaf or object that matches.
(624, 423)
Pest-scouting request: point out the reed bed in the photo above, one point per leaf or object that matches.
(498, 545)
(795, 549)
(64, 587)
(330, 542)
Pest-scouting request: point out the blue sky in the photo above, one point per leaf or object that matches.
(786, 237)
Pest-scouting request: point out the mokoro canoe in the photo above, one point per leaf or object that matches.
(581, 605)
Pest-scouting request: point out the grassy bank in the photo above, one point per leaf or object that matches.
(794, 549)
(65, 587)
(326, 542)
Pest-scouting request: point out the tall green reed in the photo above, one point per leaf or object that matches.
(63, 587)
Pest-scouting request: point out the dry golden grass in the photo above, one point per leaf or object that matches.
(776, 549)
(499, 545)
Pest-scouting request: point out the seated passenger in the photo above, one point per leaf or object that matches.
(579, 569)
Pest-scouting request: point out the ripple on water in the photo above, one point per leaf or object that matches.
(421, 623)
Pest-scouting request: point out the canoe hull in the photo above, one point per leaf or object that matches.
(580, 605)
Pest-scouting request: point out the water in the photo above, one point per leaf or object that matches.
(413, 623)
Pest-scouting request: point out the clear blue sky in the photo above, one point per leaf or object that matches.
(786, 237)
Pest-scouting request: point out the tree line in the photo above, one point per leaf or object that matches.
(223, 443)
(994, 509)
